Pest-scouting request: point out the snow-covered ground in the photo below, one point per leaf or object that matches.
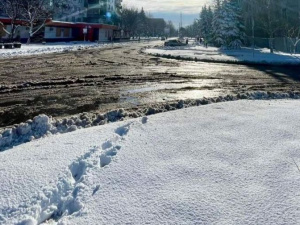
(213, 54)
(34, 49)
(226, 163)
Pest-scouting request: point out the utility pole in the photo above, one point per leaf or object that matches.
(180, 26)
(180, 20)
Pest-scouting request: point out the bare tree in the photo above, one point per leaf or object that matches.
(129, 18)
(294, 37)
(35, 13)
(270, 20)
(250, 8)
(2, 32)
(291, 19)
(11, 9)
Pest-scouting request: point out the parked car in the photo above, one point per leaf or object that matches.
(162, 38)
(174, 42)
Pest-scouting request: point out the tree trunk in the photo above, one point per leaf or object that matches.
(28, 40)
(12, 33)
(253, 35)
(30, 35)
(271, 44)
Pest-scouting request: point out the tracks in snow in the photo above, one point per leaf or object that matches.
(69, 194)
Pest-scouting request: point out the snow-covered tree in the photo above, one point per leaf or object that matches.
(205, 22)
(217, 24)
(228, 28)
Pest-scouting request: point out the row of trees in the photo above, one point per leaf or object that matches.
(32, 13)
(140, 23)
(233, 22)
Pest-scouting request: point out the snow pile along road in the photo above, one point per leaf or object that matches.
(213, 54)
(35, 49)
(227, 163)
(42, 125)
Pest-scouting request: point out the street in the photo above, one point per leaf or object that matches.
(62, 84)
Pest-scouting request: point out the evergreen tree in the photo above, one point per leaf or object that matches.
(206, 19)
(217, 24)
(142, 23)
(228, 24)
(234, 29)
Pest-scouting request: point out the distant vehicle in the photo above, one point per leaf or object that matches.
(174, 42)
(162, 38)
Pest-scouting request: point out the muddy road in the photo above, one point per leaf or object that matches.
(68, 83)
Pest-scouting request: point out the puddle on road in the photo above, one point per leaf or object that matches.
(160, 96)
(170, 91)
(172, 85)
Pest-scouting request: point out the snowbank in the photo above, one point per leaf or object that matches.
(42, 125)
(227, 163)
(212, 54)
(34, 49)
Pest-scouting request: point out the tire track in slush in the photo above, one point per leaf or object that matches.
(67, 197)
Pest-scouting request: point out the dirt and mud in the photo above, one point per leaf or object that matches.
(62, 84)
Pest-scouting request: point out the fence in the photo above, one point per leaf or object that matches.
(279, 44)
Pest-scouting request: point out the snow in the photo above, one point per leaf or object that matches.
(226, 163)
(34, 49)
(43, 125)
(213, 54)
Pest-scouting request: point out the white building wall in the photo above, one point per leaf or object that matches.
(105, 34)
(57, 33)
(21, 32)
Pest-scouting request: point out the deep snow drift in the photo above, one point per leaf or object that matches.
(213, 54)
(226, 163)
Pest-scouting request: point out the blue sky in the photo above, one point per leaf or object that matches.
(170, 9)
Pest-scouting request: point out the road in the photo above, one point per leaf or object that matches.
(68, 83)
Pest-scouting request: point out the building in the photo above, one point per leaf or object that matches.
(79, 31)
(89, 20)
(21, 33)
(90, 11)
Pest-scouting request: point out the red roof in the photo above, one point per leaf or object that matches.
(6, 20)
